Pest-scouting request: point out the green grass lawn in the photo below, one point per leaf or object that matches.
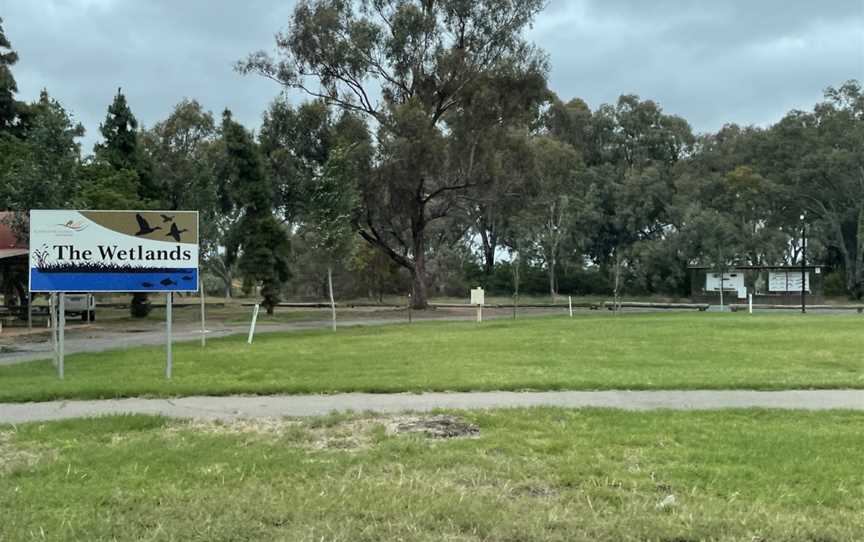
(637, 351)
(530, 475)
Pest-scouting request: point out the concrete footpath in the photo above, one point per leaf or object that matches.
(232, 407)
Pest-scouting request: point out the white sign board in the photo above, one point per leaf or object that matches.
(787, 281)
(113, 251)
(478, 296)
(731, 281)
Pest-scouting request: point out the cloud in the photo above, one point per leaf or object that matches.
(710, 62)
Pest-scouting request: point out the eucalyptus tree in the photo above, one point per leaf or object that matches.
(817, 157)
(496, 122)
(553, 203)
(404, 65)
(39, 170)
(635, 149)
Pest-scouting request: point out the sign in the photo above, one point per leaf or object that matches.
(478, 296)
(731, 281)
(113, 251)
(787, 281)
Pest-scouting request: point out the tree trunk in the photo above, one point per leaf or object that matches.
(858, 264)
(616, 297)
(553, 290)
(332, 301)
(488, 251)
(418, 274)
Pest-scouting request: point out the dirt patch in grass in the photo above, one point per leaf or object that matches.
(439, 426)
(338, 433)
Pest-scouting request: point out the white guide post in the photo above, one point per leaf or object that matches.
(750, 302)
(570, 305)
(252, 327)
(169, 365)
(332, 300)
(61, 331)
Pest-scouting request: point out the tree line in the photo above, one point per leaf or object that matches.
(432, 156)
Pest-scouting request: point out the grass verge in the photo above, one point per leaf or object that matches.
(640, 351)
(531, 474)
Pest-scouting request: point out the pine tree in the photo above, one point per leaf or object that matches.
(120, 152)
(11, 110)
(120, 131)
(258, 238)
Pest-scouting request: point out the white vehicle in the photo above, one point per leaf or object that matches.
(81, 304)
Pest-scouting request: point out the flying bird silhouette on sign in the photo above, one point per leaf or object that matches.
(167, 218)
(175, 232)
(144, 226)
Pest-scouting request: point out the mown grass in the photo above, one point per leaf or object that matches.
(532, 474)
(647, 351)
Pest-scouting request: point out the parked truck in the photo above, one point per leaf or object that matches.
(81, 304)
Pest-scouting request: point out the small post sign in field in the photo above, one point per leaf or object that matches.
(114, 251)
(478, 298)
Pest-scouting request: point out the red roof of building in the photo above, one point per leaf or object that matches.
(9, 245)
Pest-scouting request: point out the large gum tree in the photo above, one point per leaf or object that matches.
(404, 65)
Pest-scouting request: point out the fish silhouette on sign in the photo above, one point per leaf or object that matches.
(144, 226)
(186, 277)
(147, 284)
(175, 232)
(167, 282)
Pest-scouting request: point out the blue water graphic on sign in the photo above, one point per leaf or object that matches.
(174, 280)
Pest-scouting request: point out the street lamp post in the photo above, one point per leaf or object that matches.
(803, 263)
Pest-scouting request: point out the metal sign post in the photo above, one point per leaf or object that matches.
(168, 317)
(52, 325)
(61, 332)
(252, 327)
(203, 328)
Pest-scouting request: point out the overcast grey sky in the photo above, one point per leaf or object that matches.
(710, 61)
